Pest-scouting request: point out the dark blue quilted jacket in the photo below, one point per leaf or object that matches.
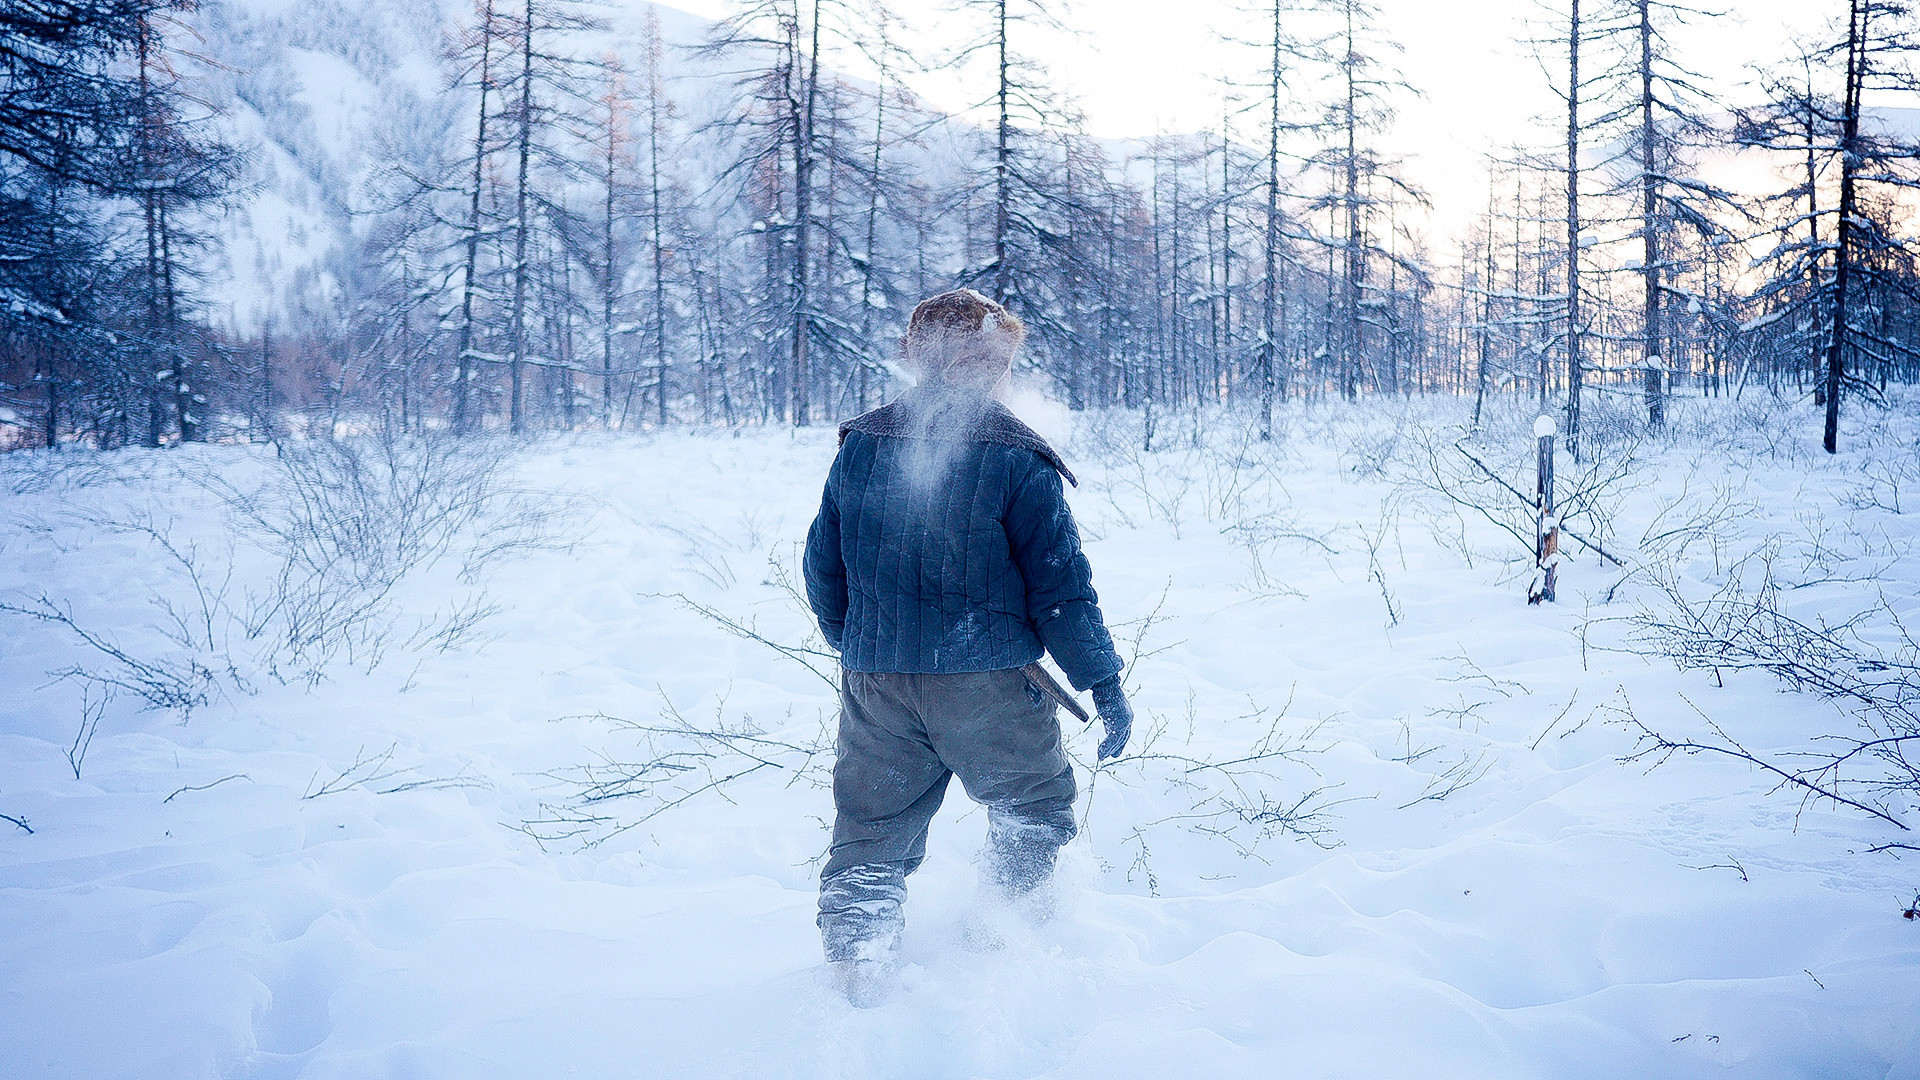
(944, 544)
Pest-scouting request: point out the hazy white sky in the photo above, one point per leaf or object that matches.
(1141, 66)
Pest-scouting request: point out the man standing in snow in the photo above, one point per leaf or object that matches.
(943, 560)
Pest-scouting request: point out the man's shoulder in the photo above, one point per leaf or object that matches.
(1009, 430)
(985, 423)
(885, 420)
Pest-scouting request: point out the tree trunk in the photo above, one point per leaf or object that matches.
(1352, 266)
(610, 269)
(1269, 287)
(654, 90)
(1843, 249)
(801, 108)
(873, 229)
(1575, 374)
(1486, 314)
(1224, 356)
(1002, 161)
(155, 348)
(1650, 231)
(463, 372)
(515, 422)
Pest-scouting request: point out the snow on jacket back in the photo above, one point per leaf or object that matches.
(944, 544)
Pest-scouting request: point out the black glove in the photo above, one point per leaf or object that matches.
(1115, 714)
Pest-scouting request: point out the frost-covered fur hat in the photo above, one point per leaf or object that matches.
(961, 338)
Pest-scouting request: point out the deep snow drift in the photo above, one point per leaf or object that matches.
(542, 812)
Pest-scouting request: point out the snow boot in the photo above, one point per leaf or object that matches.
(865, 984)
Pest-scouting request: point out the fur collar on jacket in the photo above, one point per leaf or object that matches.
(949, 414)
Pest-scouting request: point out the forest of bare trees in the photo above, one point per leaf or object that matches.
(592, 242)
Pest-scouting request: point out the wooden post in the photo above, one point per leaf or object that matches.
(1654, 379)
(1547, 525)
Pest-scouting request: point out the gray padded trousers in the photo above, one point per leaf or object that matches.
(901, 737)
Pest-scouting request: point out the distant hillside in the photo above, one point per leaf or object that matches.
(322, 93)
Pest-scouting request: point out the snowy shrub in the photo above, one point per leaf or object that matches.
(669, 762)
(303, 568)
(1107, 436)
(1241, 476)
(179, 678)
(1867, 663)
(347, 521)
(1369, 442)
(1610, 420)
(1889, 477)
(1492, 479)
(1822, 602)
(43, 472)
(1139, 483)
(1242, 795)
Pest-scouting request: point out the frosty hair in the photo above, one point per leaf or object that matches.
(961, 338)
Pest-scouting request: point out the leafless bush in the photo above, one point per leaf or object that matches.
(1867, 663)
(1370, 445)
(92, 708)
(1157, 481)
(1262, 535)
(181, 682)
(37, 472)
(1463, 772)
(1105, 436)
(1756, 426)
(1222, 462)
(377, 773)
(1693, 518)
(670, 763)
(331, 531)
(348, 520)
(1615, 418)
(703, 551)
(1267, 790)
(1375, 541)
(1241, 476)
(1890, 480)
(1494, 484)
(193, 661)
(810, 651)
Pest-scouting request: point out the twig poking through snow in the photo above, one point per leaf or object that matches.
(1730, 864)
(367, 771)
(1454, 778)
(803, 655)
(182, 684)
(676, 762)
(204, 787)
(1142, 626)
(1652, 744)
(364, 770)
(90, 712)
(1556, 720)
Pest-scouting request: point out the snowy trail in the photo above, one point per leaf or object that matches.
(1557, 915)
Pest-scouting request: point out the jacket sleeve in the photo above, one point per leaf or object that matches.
(1061, 602)
(824, 567)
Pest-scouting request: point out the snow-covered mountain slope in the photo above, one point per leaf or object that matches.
(325, 98)
(343, 880)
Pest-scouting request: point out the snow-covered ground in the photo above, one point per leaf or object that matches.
(1375, 821)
